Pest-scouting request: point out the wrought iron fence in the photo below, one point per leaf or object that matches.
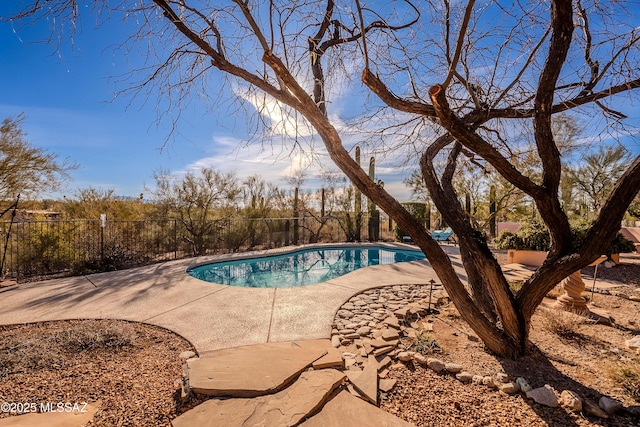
(39, 249)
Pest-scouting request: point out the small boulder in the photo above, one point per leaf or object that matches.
(592, 408)
(453, 368)
(382, 350)
(390, 334)
(187, 355)
(386, 385)
(524, 385)
(488, 381)
(464, 377)
(609, 405)
(634, 343)
(364, 330)
(571, 400)
(509, 388)
(392, 321)
(435, 364)
(421, 359)
(477, 379)
(335, 341)
(404, 356)
(544, 396)
(501, 378)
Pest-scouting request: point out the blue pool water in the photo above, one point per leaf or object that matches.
(299, 268)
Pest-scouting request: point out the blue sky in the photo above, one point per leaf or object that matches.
(70, 108)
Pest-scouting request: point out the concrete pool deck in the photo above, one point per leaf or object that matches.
(210, 316)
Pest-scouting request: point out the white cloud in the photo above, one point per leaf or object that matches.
(279, 118)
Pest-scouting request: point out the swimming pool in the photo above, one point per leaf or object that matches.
(300, 268)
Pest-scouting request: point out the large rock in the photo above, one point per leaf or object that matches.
(286, 408)
(253, 370)
(347, 410)
(544, 396)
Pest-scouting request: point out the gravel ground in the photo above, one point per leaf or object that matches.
(566, 352)
(131, 371)
(131, 368)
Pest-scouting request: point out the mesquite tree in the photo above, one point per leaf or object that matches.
(462, 80)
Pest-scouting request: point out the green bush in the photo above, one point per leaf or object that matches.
(534, 236)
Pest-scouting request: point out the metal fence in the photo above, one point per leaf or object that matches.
(39, 249)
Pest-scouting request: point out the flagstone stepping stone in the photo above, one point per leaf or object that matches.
(392, 321)
(387, 384)
(333, 359)
(54, 419)
(285, 408)
(377, 343)
(383, 350)
(347, 410)
(383, 362)
(366, 382)
(253, 370)
(390, 334)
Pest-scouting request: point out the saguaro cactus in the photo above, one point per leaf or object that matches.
(374, 214)
(492, 211)
(358, 202)
(296, 224)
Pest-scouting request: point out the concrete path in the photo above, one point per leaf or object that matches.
(210, 316)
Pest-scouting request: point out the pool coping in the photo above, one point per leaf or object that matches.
(291, 249)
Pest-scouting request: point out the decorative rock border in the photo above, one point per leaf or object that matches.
(373, 322)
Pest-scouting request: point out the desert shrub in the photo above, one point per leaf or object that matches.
(628, 376)
(50, 351)
(561, 323)
(425, 344)
(94, 335)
